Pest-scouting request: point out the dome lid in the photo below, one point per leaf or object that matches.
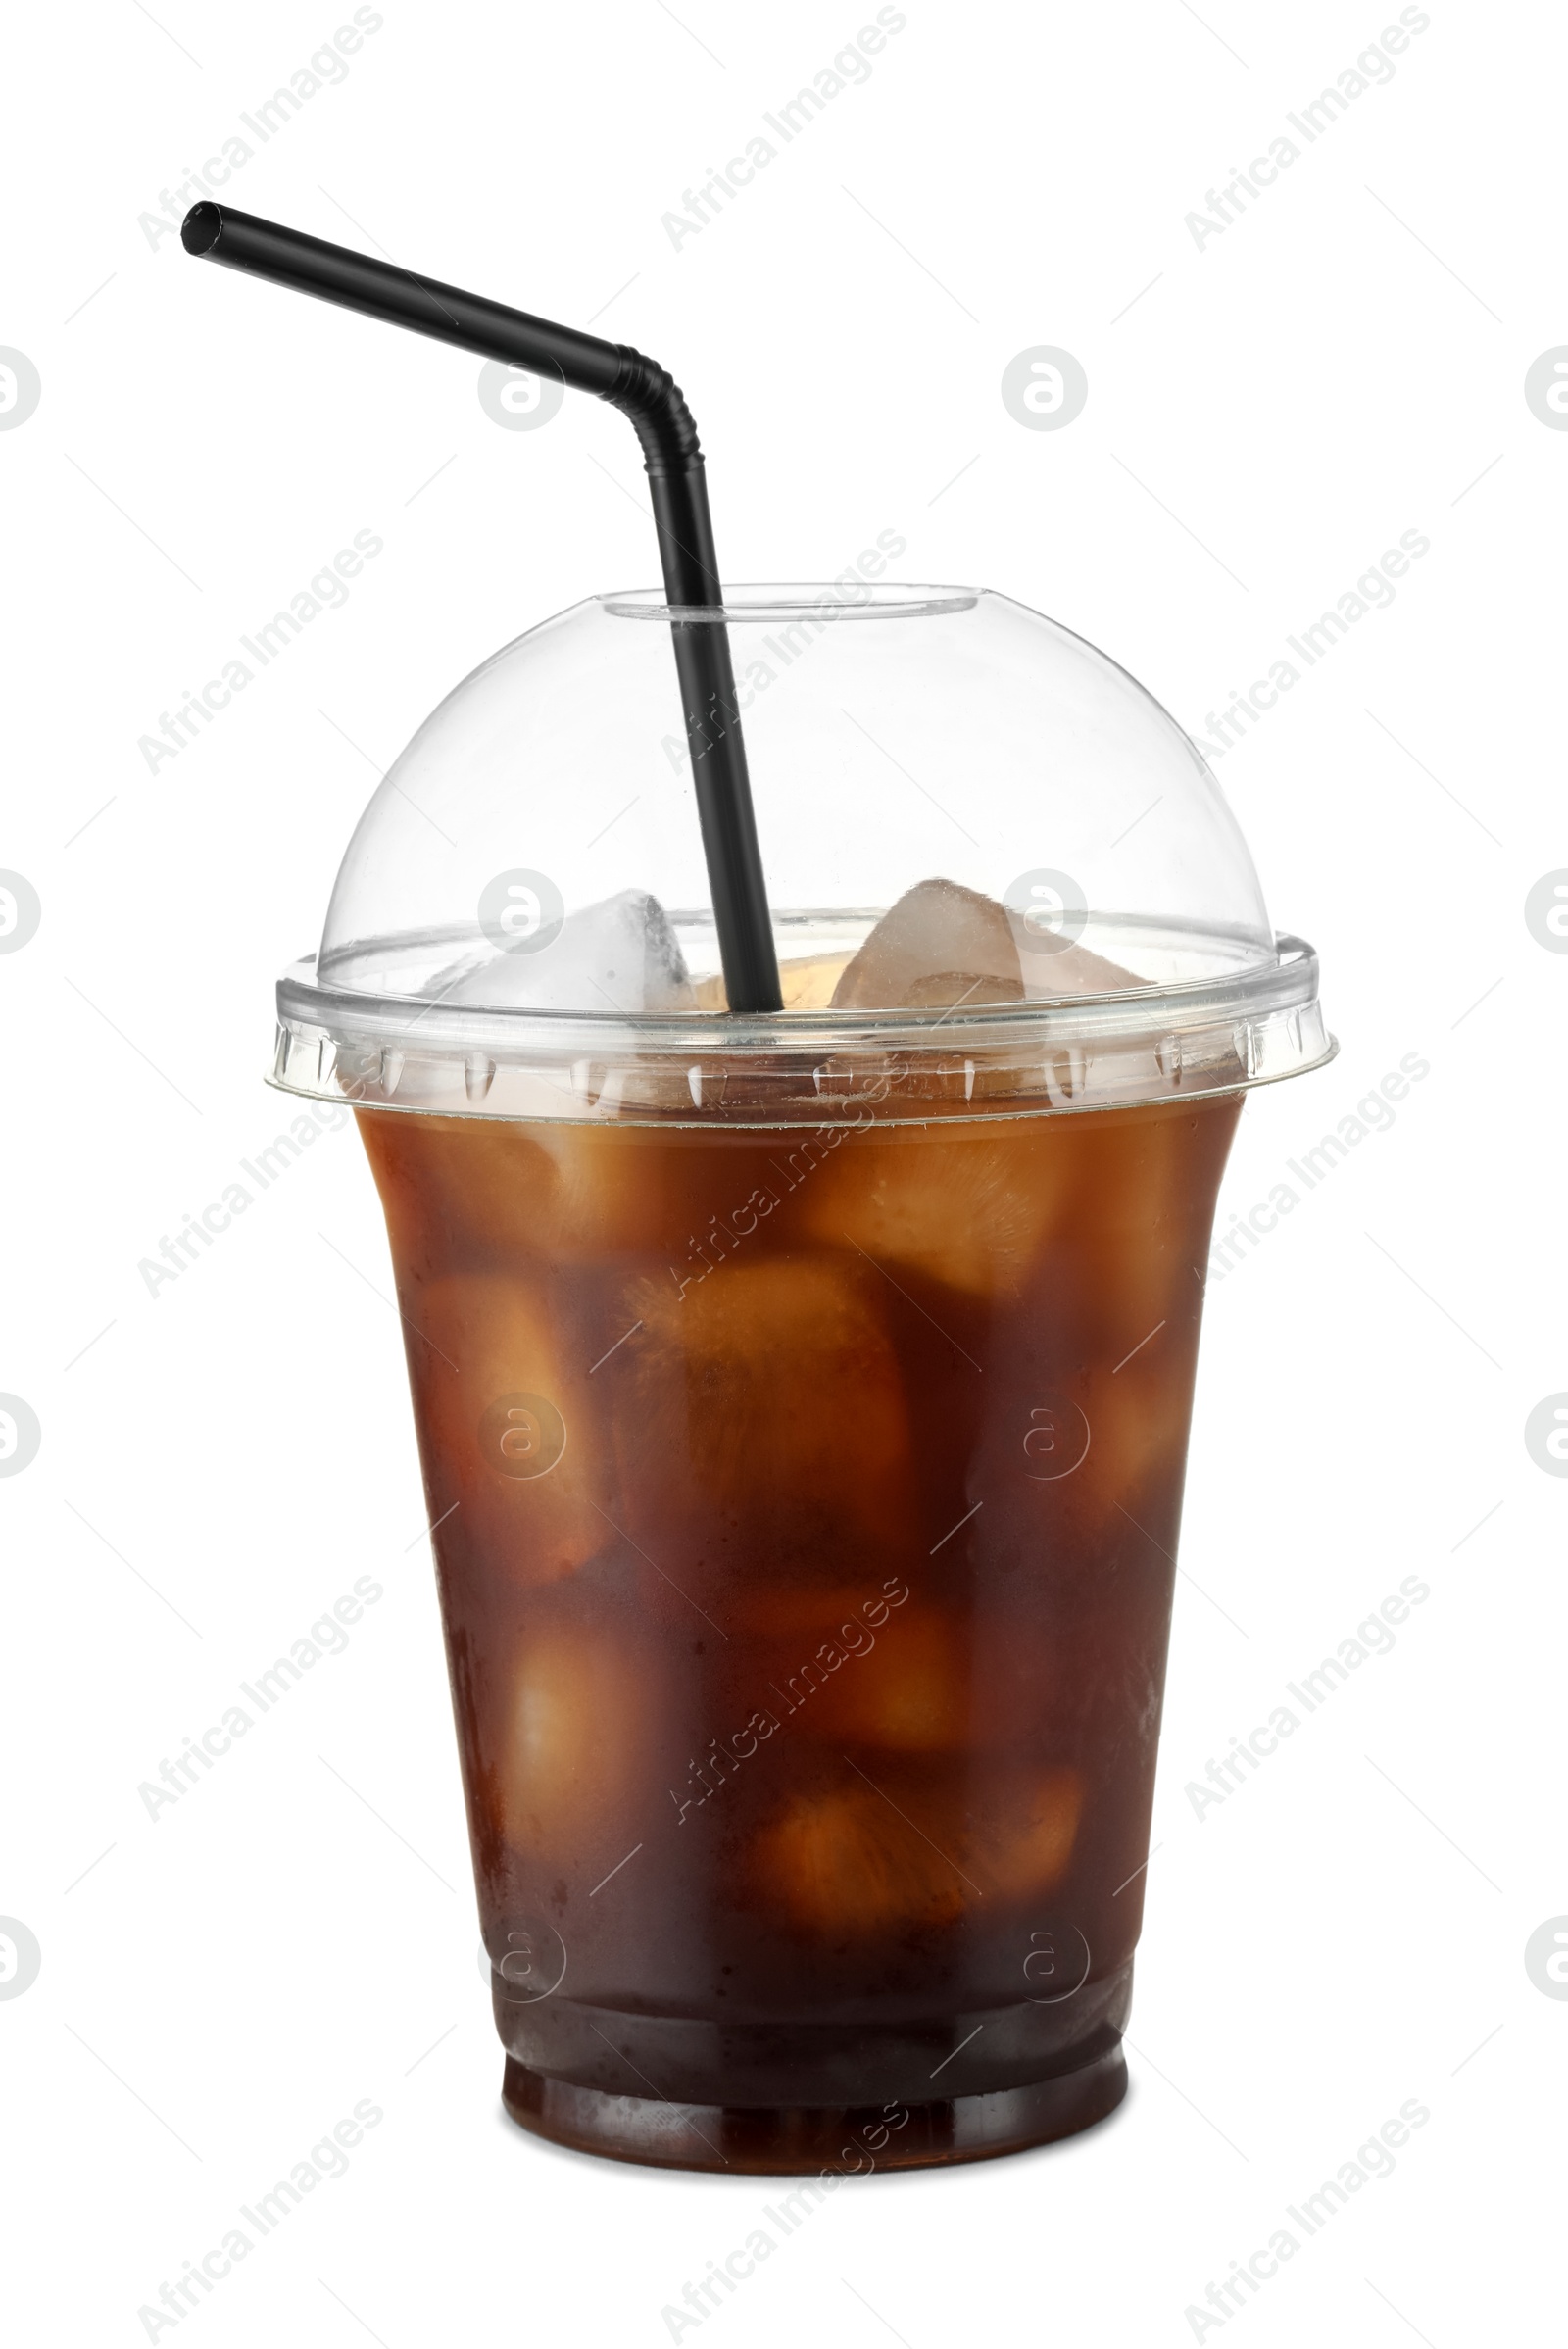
(1001, 879)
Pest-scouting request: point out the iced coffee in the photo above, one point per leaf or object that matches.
(803, 1398)
(807, 1503)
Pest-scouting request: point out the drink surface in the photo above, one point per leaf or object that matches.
(807, 1507)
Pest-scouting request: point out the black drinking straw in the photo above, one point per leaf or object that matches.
(643, 391)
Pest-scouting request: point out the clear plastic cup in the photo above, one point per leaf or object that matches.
(803, 1398)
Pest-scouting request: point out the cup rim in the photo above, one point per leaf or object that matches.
(1227, 1033)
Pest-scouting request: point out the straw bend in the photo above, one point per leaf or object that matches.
(649, 396)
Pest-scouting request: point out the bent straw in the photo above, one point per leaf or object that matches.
(678, 486)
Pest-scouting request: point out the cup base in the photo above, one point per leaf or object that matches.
(788, 2141)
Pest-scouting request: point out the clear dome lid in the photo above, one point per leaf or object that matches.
(1002, 880)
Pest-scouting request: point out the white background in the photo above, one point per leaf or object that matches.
(1344, 364)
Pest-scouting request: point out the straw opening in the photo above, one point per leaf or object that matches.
(201, 228)
(771, 606)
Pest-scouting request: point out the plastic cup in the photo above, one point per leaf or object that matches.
(803, 1399)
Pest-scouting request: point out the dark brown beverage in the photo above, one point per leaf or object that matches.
(807, 1506)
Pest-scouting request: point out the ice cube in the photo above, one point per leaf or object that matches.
(962, 1204)
(769, 1393)
(945, 948)
(1022, 1830)
(940, 946)
(1066, 968)
(910, 1844)
(581, 1727)
(935, 1685)
(621, 955)
(844, 1865)
(506, 1425)
(467, 1187)
(1149, 1180)
(1138, 1422)
(903, 1687)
